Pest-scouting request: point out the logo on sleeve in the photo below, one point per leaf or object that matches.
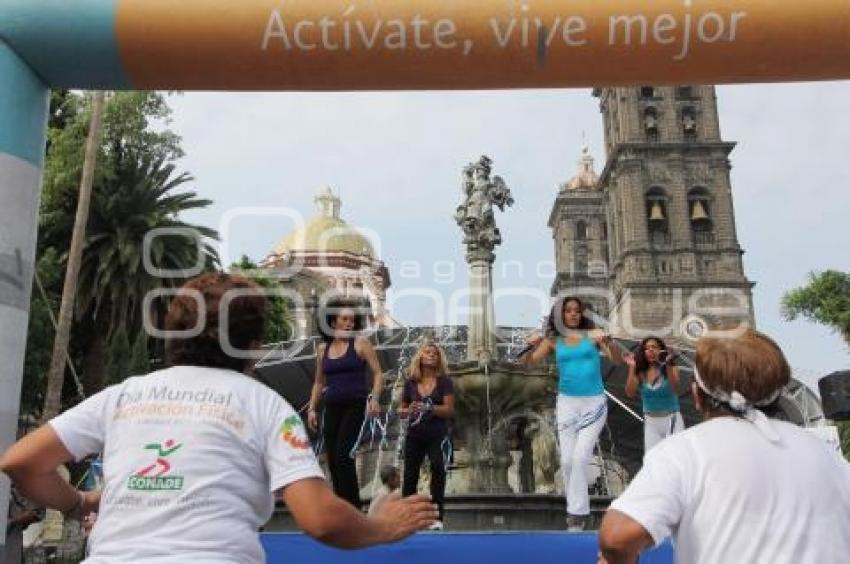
(292, 432)
(157, 476)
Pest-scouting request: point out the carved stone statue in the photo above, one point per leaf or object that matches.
(480, 236)
(546, 463)
(475, 214)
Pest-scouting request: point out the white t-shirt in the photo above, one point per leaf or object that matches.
(192, 457)
(726, 494)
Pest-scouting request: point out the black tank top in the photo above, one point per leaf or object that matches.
(346, 376)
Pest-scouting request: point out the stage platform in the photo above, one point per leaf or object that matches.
(449, 547)
(488, 512)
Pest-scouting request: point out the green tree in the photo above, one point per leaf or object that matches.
(44, 301)
(113, 278)
(136, 189)
(825, 300)
(64, 107)
(844, 435)
(140, 355)
(65, 320)
(40, 332)
(131, 131)
(279, 318)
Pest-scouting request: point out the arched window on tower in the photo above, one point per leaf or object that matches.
(658, 224)
(699, 214)
(650, 124)
(581, 230)
(581, 260)
(689, 123)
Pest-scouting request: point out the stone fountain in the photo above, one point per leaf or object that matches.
(506, 461)
(504, 472)
(493, 397)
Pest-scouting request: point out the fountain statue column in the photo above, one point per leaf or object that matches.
(480, 236)
(494, 397)
(489, 456)
(481, 341)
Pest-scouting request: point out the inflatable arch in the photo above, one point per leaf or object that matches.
(363, 45)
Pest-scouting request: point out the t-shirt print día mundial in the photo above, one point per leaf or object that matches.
(191, 458)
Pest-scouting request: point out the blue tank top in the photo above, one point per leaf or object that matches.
(660, 396)
(345, 376)
(579, 368)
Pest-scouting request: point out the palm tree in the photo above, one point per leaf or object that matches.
(113, 283)
(63, 331)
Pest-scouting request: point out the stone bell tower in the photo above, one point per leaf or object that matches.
(579, 225)
(675, 262)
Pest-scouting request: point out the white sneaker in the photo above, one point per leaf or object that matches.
(436, 526)
(576, 523)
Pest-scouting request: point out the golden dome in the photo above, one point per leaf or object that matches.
(326, 231)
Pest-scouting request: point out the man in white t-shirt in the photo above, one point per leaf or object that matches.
(195, 455)
(738, 487)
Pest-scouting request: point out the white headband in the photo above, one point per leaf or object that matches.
(741, 405)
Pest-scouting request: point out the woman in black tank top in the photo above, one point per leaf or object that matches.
(349, 377)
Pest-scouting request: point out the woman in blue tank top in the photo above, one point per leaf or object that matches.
(347, 368)
(581, 408)
(653, 374)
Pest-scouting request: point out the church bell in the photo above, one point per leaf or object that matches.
(656, 213)
(698, 211)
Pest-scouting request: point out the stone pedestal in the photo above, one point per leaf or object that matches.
(493, 402)
(481, 343)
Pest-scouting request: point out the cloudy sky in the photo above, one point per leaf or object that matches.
(396, 159)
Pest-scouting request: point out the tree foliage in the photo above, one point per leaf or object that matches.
(825, 300)
(844, 435)
(278, 317)
(40, 331)
(136, 188)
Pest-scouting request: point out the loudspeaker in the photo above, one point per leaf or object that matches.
(835, 395)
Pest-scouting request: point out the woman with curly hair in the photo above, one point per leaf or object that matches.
(653, 374)
(739, 486)
(194, 455)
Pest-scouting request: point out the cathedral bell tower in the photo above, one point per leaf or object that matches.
(580, 231)
(676, 264)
